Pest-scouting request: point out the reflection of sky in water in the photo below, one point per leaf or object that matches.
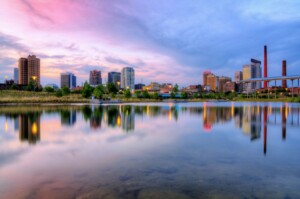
(165, 150)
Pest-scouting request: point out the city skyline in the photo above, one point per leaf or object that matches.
(148, 36)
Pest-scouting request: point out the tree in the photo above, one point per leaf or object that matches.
(49, 89)
(112, 88)
(14, 87)
(65, 90)
(87, 90)
(138, 94)
(127, 93)
(184, 95)
(145, 94)
(195, 95)
(98, 92)
(31, 85)
(58, 93)
(155, 95)
(172, 95)
(231, 95)
(175, 89)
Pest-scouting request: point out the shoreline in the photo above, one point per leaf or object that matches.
(34, 98)
(26, 102)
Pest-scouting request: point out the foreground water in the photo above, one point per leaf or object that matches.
(188, 150)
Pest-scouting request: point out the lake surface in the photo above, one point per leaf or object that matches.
(184, 150)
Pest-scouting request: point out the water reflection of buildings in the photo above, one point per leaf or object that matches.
(113, 116)
(127, 118)
(29, 127)
(68, 117)
(253, 119)
(96, 118)
(123, 116)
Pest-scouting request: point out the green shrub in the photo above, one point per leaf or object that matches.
(87, 90)
(127, 93)
(58, 93)
(65, 90)
(49, 89)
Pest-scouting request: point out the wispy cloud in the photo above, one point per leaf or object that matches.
(11, 42)
(156, 37)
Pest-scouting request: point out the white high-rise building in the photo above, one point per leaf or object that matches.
(127, 78)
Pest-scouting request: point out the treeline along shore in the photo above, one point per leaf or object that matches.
(31, 97)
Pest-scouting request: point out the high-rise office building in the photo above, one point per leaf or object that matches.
(95, 77)
(29, 68)
(205, 74)
(127, 78)
(250, 71)
(229, 86)
(68, 80)
(16, 75)
(23, 70)
(212, 82)
(221, 83)
(114, 77)
(238, 76)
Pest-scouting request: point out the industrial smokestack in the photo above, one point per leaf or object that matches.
(265, 66)
(284, 73)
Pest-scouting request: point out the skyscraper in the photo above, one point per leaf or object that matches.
(238, 76)
(16, 75)
(114, 77)
(212, 82)
(205, 74)
(68, 80)
(250, 71)
(221, 83)
(127, 78)
(95, 77)
(29, 68)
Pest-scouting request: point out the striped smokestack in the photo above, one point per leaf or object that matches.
(265, 66)
(284, 73)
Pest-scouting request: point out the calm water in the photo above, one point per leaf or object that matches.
(188, 150)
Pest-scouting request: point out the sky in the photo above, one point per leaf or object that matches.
(164, 41)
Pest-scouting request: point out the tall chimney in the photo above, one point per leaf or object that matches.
(265, 66)
(284, 73)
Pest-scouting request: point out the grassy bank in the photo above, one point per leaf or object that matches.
(10, 96)
(290, 99)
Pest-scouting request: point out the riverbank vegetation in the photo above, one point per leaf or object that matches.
(110, 91)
